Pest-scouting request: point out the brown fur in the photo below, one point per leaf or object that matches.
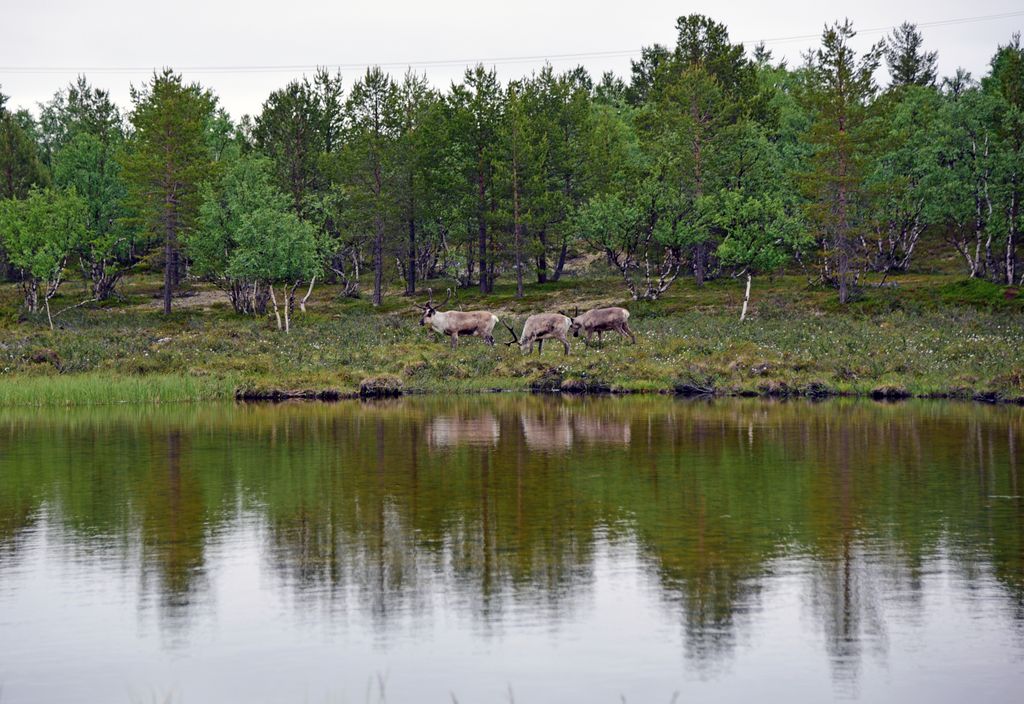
(540, 327)
(601, 320)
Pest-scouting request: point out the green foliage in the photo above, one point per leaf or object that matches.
(840, 88)
(40, 233)
(20, 166)
(248, 237)
(908, 64)
(492, 179)
(904, 175)
(112, 245)
(167, 160)
(297, 126)
(757, 234)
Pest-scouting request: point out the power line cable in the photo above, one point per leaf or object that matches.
(438, 63)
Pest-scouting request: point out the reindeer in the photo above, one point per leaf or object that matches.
(455, 430)
(601, 320)
(540, 327)
(455, 322)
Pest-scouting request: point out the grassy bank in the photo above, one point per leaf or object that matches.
(106, 388)
(931, 335)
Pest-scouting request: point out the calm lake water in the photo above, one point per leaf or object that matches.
(576, 550)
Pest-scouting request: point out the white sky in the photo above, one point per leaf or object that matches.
(82, 35)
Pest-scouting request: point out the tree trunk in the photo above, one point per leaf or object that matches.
(31, 288)
(518, 231)
(170, 260)
(700, 261)
(542, 258)
(103, 283)
(746, 300)
(274, 299)
(560, 265)
(1011, 236)
(843, 267)
(302, 303)
(842, 236)
(378, 261)
(482, 226)
(410, 279)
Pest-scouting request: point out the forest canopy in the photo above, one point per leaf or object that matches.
(706, 161)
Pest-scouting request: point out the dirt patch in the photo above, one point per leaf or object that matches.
(198, 299)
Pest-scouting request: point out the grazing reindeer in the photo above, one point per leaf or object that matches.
(540, 327)
(547, 432)
(601, 320)
(455, 322)
(456, 430)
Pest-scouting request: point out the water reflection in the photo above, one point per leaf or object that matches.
(512, 512)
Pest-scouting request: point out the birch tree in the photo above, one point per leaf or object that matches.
(40, 233)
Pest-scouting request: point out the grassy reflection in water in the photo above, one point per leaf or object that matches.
(504, 499)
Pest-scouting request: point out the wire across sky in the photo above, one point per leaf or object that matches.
(435, 63)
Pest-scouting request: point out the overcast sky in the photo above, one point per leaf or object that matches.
(219, 43)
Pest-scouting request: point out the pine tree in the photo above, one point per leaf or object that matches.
(299, 123)
(414, 151)
(20, 166)
(368, 160)
(477, 103)
(841, 87)
(168, 158)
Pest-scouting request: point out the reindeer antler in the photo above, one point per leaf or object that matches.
(515, 338)
(448, 298)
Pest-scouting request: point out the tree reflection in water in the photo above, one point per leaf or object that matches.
(492, 507)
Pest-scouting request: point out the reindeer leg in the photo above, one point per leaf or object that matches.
(625, 326)
(599, 336)
(565, 343)
(540, 346)
(489, 339)
(455, 340)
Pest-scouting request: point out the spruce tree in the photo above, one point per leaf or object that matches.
(907, 61)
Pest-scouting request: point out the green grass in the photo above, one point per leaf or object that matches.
(930, 335)
(104, 388)
(981, 293)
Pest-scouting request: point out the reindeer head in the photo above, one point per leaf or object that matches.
(574, 326)
(429, 309)
(515, 338)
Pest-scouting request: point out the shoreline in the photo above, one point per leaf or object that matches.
(77, 390)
